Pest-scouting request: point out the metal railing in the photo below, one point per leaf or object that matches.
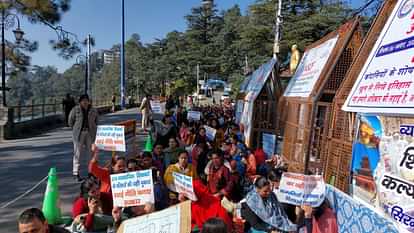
(22, 113)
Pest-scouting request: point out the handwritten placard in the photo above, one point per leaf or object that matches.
(110, 138)
(193, 115)
(184, 185)
(299, 189)
(210, 133)
(132, 188)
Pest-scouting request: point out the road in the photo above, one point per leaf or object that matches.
(25, 162)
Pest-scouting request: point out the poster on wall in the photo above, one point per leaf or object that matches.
(385, 84)
(309, 69)
(383, 166)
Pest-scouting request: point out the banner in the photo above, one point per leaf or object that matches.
(269, 144)
(298, 189)
(310, 69)
(194, 115)
(172, 220)
(184, 185)
(210, 133)
(385, 84)
(383, 166)
(110, 138)
(132, 188)
(157, 107)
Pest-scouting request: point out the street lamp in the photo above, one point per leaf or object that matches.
(8, 21)
(79, 59)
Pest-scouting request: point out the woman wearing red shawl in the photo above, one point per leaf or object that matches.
(207, 206)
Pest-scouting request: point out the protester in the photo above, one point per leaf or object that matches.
(132, 165)
(158, 158)
(184, 132)
(219, 182)
(92, 205)
(68, 103)
(113, 101)
(33, 221)
(83, 120)
(183, 167)
(145, 111)
(207, 206)
(118, 165)
(214, 225)
(164, 130)
(171, 153)
(263, 212)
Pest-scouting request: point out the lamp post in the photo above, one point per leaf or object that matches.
(276, 47)
(123, 58)
(79, 59)
(7, 21)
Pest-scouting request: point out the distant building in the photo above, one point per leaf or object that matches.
(97, 60)
(111, 56)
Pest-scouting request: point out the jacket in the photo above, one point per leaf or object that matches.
(76, 119)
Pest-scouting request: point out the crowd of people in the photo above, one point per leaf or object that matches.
(234, 184)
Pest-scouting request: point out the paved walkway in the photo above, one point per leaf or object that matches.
(25, 162)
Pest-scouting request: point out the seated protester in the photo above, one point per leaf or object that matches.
(219, 178)
(33, 221)
(184, 132)
(171, 153)
(160, 191)
(274, 177)
(164, 130)
(263, 212)
(191, 136)
(219, 137)
(214, 225)
(118, 165)
(201, 136)
(250, 161)
(199, 158)
(183, 167)
(323, 219)
(260, 157)
(147, 162)
(158, 157)
(132, 165)
(91, 207)
(207, 206)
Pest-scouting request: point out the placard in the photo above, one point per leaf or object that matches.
(310, 69)
(210, 133)
(157, 107)
(269, 144)
(172, 220)
(110, 138)
(298, 189)
(194, 115)
(132, 188)
(385, 84)
(184, 185)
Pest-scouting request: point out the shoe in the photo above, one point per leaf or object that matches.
(78, 178)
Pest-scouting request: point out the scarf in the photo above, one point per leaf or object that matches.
(270, 211)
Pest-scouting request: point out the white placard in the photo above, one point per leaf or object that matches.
(157, 107)
(210, 133)
(310, 69)
(385, 84)
(132, 188)
(110, 138)
(298, 189)
(184, 185)
(269, 144)
(193, 115)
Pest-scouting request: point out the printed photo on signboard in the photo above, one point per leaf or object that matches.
(310, 69)
(110, 138)
(132, 188)
(384, 178)
(385, 84)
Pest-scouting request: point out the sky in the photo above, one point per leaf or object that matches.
(102, 19)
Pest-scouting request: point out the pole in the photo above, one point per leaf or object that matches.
(3, 59)
(88, 66)
(86, 74)
(123, 58)
(277, 29)
(198, 81)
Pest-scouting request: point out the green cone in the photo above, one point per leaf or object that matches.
(148, 144)
(51, 207)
